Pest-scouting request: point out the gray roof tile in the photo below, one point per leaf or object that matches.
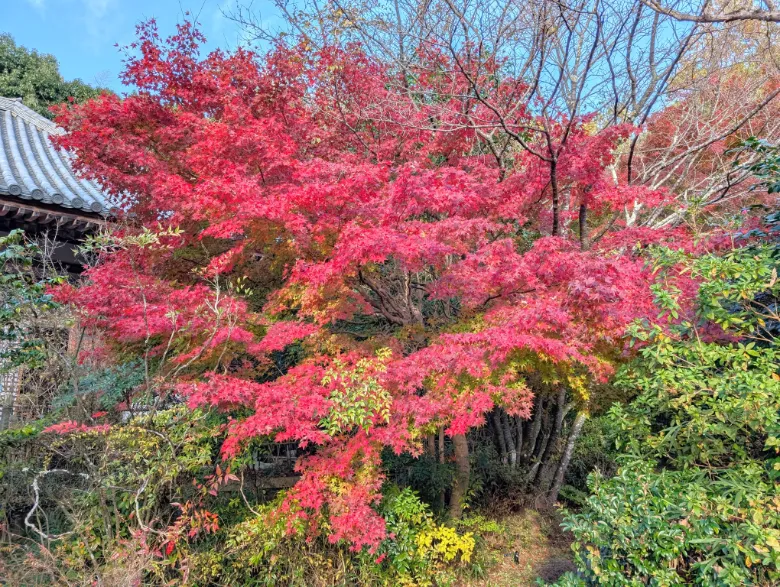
(32, 168)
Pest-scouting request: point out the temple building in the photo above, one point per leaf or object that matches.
(39, 191)
(41, 194)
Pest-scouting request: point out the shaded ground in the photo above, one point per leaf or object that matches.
(532, 546)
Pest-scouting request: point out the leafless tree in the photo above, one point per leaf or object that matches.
(705, 12)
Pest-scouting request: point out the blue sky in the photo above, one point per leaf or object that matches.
(81, 34)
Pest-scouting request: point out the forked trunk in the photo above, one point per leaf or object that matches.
(544, 476)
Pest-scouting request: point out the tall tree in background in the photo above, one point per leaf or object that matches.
(704, 12)
(36, 78)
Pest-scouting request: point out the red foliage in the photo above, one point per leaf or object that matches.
(71, 426)
(313, 160)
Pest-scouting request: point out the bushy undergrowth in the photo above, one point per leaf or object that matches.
(682, 482)
(696, 499)
(145, 493)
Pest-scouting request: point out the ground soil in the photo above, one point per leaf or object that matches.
(531, 546)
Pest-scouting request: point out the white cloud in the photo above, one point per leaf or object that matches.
(98, 8)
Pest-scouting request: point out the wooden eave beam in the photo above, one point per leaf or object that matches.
(45, 216)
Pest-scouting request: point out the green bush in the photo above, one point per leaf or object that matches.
(646, 526)
(265, 550)
(428, 478)
(696, 499)
(144, 492)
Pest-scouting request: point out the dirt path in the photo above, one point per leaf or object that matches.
(530, 547)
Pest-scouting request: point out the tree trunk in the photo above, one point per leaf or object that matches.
(536, 426)
(544, 477)
(546, 427)
(460, 483)
(510, 442)
(536, 457)
(576, 429)
(583, 227)
(556, 224)
(519, 444)
(8, 395)
(498, 429)
(430, 446)
(442, 500)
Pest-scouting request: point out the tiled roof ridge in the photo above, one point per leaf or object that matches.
(33, 168)
(17, 108)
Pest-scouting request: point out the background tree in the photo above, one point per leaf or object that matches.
(36, 78)
(619, 59)
(717, 12)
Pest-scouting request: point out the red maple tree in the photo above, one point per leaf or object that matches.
(423, 275)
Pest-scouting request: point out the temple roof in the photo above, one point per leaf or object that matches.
(33, 169)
